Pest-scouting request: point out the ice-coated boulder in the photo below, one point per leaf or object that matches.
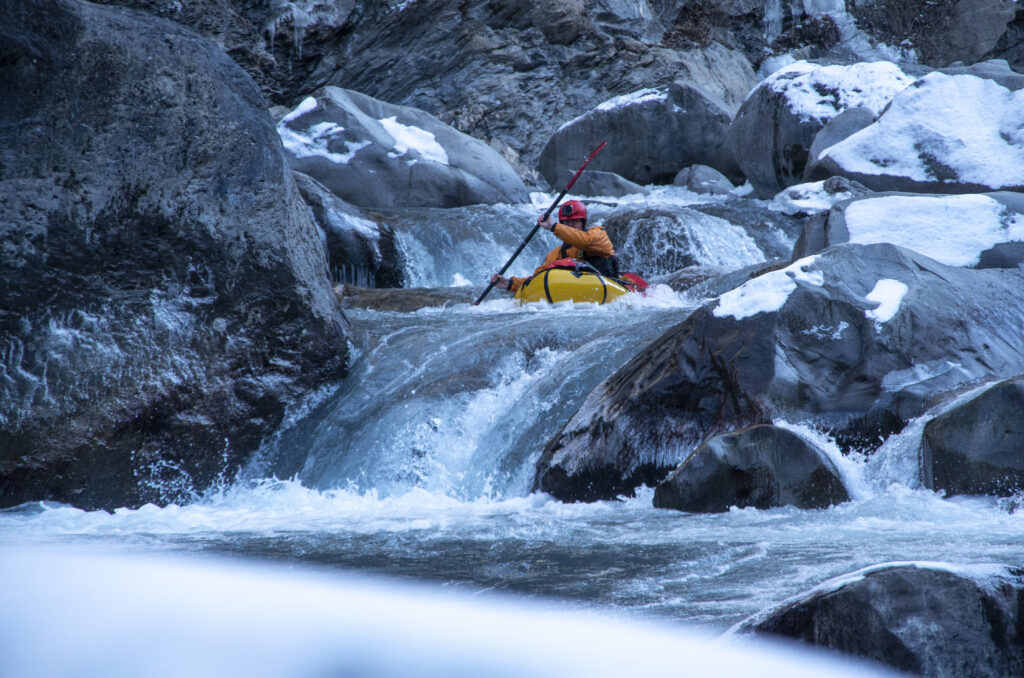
(374, 154)
(762, 467)
(652, 134)
(928, 619)
(857, 339)
(960, 133)
(977, 447)
(776, 126)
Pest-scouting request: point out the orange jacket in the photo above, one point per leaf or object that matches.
(593, 241)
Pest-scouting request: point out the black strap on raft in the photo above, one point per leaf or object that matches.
(606, 266)
(547, 290)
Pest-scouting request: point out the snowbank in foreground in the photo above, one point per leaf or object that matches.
(74, 613)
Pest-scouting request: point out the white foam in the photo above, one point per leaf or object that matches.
(953, 230)
(410, 138)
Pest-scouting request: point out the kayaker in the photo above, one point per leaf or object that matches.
(586, 244)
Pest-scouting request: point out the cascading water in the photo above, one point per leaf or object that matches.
(420, 464)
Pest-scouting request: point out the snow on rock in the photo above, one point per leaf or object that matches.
(767, 293)
(945, 134)
(374, 154)
(953, 230)
(775, 128)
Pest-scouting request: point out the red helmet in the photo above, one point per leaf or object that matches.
(572, 209)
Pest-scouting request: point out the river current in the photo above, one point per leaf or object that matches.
(420, 465)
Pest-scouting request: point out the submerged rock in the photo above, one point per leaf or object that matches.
(858, 339)
(928, 619)
(374, 154)
(762, 467)
(163, 289)
(978, 447)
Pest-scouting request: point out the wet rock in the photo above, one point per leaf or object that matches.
(703, 179)
(669, 129)
(945, 134)
(762, 467)
(373, 154)
(772, 134)
(927, 619)
(857, 340)
(977, 447)
(163, 289)
(404, 300)
(660, 240)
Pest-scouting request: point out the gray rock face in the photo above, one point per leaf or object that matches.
(845, 124)
(163, 293)
(762, 467)
(652, 134)
(703, 179)
(598, 183)
(836, 339)
(373, 154)
(978, 447)
(941, 33)
(945, 134)
(772, 134)
(917, 618)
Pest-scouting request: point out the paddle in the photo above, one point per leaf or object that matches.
(546, 215)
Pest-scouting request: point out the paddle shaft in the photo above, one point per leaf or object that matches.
(546, 215)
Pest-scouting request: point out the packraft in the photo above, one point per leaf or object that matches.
(574, 280)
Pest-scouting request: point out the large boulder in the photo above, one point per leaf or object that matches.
(762, 467)
(927, 619)
(374, 154)
(773, 132)
(958, 133)
(663, 239)
(652, 133)
(163, 289)
(978, 230)
(857, 339)
(977, 447)
(703, 179)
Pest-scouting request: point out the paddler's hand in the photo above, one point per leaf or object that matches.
(545, 222)
(501, 282)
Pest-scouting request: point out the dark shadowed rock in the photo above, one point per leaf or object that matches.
(944, 134)
(858, 339)
(762, 467)
(360, 250)
(978, 447)
(926, 619)
(652, 134)
(404, 300)
(772, 134)
(703, 179)
(374, 154)
(163, 289)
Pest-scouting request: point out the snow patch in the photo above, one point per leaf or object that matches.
(308, 104)
(888, 294)
(810, 197)
(767, 293)
(410, 138)
(946, 128)
(621, 101)
(822, 92)
(315, 140)
(953, 230)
